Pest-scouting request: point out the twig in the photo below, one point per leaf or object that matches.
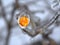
(43, 29)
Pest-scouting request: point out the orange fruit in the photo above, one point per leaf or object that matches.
(23, 21)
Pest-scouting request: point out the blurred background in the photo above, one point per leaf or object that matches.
(10, 32)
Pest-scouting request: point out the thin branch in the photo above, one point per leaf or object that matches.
(16, 6)
(55, 17)
(43, 29)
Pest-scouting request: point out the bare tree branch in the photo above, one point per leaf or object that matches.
(15, 6)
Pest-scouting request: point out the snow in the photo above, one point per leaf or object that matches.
(18, 37)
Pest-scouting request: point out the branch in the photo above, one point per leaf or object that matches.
(43, 29)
